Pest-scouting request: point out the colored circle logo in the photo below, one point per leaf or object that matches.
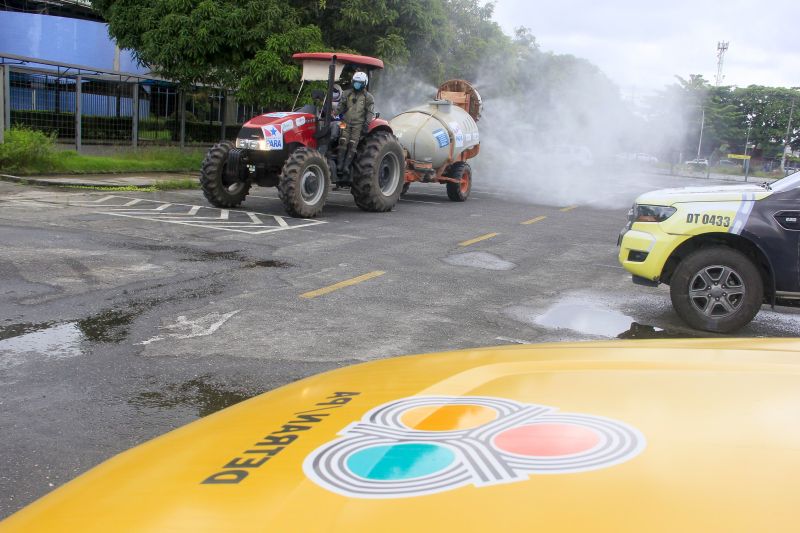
(431, 444)
(400, 461)
(447, 417)
(547, 440)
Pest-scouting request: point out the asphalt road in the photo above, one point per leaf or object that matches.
(124, 315)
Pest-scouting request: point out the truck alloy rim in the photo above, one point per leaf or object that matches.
(389, 174)
(717, 291)
(312, 184)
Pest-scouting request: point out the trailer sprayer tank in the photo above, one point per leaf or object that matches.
(440, 137)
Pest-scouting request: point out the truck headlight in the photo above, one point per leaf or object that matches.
(652, 213)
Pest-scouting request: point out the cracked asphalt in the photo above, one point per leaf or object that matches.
(124, 315)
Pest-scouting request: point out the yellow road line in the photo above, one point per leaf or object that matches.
(478, 239)
(568, 208)
(534, 220)
(342, 284)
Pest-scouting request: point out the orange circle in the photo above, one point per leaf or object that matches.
(447, 417)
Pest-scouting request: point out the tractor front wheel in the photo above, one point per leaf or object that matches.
(304, 183)
(218, 187)
(378, 173)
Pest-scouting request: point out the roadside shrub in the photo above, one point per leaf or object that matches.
(26, 148)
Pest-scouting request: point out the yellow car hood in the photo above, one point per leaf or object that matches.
(673, 435)
(718, 193)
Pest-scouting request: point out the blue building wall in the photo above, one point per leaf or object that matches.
(66, 40)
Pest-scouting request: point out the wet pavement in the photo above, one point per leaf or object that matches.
(123, 316)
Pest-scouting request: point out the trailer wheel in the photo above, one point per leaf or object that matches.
(459, 192)
(218, 189)
(304, 183)
(378, 173)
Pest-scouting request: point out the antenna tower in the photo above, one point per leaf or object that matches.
(722, 47)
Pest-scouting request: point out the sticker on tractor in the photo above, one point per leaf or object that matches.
(277, 115)
(441, 137)
(459, 135)
(273, 136)
(286, 126)
(300, 121)
(430, 444)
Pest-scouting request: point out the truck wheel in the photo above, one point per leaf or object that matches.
(378, 173)
(304, 183)
(459, 192)
(217, 188)
(716, 289)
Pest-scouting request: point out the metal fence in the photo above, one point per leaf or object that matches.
(80, 105)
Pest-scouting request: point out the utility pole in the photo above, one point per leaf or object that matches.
(702, 123)
(722, 47)
(786, 139)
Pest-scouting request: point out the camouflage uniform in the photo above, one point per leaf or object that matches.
(358, 110)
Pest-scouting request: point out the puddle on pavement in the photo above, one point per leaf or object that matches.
(267, 264)
(585, 318)
(591, 319)
(16, 330)
(482, 260)
(206, 397)
(58, 341)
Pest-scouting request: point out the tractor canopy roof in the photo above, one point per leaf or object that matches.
(315, 64)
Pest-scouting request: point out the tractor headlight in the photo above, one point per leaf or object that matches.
(249, 144)
(652, 213)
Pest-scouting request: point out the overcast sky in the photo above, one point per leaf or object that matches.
(642, 44)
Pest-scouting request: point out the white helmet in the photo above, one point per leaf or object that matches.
(360, 78)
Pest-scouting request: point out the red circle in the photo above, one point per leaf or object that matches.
(547, 440)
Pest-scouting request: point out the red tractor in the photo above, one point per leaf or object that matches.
(295, 151)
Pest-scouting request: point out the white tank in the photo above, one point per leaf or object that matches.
(435, 133)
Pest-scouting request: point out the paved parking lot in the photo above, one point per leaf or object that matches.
(125, 315)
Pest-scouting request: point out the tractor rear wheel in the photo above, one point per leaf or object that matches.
(459, 192)
(378, 173)
(218, 187)
(304, 183)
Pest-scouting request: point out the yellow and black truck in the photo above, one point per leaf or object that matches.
(723, 250)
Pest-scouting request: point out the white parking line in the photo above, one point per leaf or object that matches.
(249, 222)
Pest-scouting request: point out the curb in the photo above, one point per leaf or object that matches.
(26, 180)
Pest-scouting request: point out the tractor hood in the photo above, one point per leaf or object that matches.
(718, 193)
(284, 121)
(671, 435)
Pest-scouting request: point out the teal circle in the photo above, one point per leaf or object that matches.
(400, 461)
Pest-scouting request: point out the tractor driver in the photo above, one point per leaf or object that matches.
(357, 107)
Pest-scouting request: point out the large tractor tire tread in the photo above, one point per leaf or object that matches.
(459, 192)
(381, 159)
(290, 183)
(717, 289)
(212, 178)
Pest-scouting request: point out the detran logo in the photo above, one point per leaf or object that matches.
(428, 444)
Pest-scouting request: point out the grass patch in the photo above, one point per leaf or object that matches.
(143, 160)
(30, 152)
(171, 185)
(162, 185)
